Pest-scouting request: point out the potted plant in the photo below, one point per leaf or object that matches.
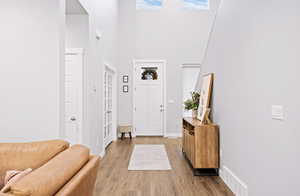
(192, 104)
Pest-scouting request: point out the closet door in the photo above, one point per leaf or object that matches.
(74, 62)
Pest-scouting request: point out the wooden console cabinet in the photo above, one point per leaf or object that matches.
(200, 145)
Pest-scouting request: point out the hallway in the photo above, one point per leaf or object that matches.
(115, 180)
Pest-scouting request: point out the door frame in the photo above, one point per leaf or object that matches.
(78, 51)
(114, 102)
(164, 62)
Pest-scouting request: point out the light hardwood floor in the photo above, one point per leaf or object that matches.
(115, 180)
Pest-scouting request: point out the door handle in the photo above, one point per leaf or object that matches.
(73, 118)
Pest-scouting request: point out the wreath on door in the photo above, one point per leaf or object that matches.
(149, 74)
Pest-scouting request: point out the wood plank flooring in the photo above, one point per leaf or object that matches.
(115, 180)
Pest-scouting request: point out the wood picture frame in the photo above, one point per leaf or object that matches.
(205, 96)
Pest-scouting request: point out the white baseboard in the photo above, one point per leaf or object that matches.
(236, 185)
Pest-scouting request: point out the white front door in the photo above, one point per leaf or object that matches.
(149, 98)
(73, 95)
(108, 107)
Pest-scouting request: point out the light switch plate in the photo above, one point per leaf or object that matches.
(171, 101)
(277, 112)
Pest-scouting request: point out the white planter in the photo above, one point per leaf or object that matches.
(194, 114)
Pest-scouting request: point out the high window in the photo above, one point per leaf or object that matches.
(148, 4)
(196, 4)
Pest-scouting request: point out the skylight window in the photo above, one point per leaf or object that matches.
(196, 4)
(148, 4)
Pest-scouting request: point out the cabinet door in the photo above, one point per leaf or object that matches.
(183, 140)
(207, 147)
(186, 142)
(191, 148)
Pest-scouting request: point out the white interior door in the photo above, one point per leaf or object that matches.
(73, 95)
(109, 105)
(149, 98)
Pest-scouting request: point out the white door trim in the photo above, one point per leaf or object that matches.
(78, 51)
(164, 62)
(114, 101)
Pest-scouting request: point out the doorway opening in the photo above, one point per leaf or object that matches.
(76, 47)
(190, 73)
(149, 97)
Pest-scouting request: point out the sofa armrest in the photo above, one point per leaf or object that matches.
(83, 183)
(48, 179)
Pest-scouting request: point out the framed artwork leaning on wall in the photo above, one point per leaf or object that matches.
(205, 96)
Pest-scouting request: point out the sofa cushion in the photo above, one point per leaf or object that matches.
(48, 179)
(20, 156)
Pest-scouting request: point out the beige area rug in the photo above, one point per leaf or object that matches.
(149, 157)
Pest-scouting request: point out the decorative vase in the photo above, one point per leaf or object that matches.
(194, 114)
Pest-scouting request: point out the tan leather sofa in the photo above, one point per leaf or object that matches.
(59, 169)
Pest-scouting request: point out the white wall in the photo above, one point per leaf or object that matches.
(103, 18)
(255, 55)
(32, 45)
(31, 55)
(173, 34)
(77, 31)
